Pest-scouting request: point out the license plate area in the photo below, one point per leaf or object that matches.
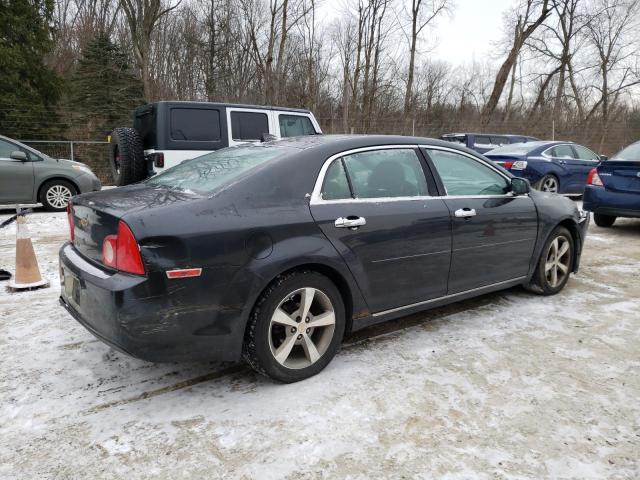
(71, 288)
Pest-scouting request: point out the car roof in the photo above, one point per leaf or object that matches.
(231, 105)
(347, 142)
(488, 134)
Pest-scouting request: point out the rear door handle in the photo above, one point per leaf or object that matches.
(465, 212)
(350, 222)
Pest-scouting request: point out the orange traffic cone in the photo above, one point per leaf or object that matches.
(27, 271)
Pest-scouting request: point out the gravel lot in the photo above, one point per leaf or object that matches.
(508, 385)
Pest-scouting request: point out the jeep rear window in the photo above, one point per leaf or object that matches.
(195, 124)
(206, 173)
(248, 125)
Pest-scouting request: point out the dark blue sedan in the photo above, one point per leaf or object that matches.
(613, 188)
(558, 167)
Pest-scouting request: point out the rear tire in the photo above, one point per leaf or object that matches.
(126, 157)
(55, 195)
(603, 220)
(549, 183)
(554, 265)
(287, 342)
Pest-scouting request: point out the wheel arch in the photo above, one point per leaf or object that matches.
(338, 279)
(52, 178)
(573, 228)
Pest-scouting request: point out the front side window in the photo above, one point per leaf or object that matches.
(6, 148)
(195, 124)
(585, 154)
(561, 151)
(376, 174)
(295, 126)
(206, 173)
(248, 125)
(462, 175)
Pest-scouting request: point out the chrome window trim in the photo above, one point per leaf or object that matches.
(445, 297)
(316, 195)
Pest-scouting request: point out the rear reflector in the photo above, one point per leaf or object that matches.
(184, 273)
(71, 222)
(594, 179)
(158, 159)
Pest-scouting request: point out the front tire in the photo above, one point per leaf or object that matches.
(549, 183)
(555, 263)
(55, 195)
(603, 220)
(296, 327)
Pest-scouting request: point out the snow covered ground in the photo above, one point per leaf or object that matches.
(508, 385)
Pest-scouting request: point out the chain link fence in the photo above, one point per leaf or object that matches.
(95, 154)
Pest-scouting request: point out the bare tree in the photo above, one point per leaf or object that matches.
(531, 16)
(423, 13)
(142, 17)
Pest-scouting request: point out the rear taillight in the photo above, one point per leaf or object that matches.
(122, 252)
(70, 220)
(158, 159)
(507, 164)
(594, 179)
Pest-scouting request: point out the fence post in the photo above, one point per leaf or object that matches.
(71, 145)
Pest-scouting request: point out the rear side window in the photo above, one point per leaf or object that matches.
(195, 124)
(248, 125)
(336, 185)
(295, 126)
(561, 151)
(482, 140)
(206, 173)
(386, 173)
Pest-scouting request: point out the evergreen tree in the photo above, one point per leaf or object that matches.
(104, 90)
(29, 89)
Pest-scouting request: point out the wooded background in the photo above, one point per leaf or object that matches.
(74, 69)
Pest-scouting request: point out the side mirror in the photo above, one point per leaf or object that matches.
(603, 157)
(520, 186)
(18, 155)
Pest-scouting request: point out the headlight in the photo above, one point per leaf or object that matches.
(82, 168)
(519, 165)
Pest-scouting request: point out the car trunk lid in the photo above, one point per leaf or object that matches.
(620, 175)
(97, 215)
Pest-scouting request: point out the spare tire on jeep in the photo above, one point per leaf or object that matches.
(126, 156)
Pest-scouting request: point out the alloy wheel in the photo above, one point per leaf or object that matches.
(558, 260)
(58, 196)
(301, 328)
(549, 184)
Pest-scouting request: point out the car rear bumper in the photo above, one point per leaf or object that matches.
(606, 202)
(146, 317)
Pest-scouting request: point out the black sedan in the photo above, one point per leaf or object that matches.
(275, 252)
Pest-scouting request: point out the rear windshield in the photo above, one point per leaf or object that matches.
(631, 153)
(513, 149)
(213, 170)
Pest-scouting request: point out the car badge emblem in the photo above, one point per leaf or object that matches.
(637, 174)
(84, 223)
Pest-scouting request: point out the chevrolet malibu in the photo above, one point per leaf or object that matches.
(275, 252)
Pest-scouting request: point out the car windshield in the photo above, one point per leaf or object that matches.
(631, 153)
(206, 173)
(513, 149)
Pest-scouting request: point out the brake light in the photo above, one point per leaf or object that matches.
(71, 222)
(158, 159)
(507, 164)
(122, 252)
(594, 179)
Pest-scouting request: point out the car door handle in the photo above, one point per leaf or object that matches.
(350, 222)
(465, 212)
